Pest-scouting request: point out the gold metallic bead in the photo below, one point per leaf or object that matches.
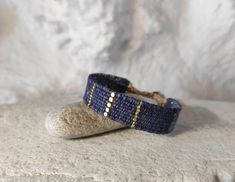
(106, 109)
(112, 94)
(108, 104)
(105, 114)
(110, 99)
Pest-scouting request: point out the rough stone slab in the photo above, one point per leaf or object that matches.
(184, 49)
(201, 148)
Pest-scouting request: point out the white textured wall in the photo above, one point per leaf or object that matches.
(183, 48)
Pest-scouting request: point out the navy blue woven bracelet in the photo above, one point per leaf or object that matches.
(110, 96)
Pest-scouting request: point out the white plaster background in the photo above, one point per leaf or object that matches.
(185, 49)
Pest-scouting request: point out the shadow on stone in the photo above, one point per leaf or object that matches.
(102, 134)
(193, 118)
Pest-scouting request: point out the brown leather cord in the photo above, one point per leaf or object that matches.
(157, 96)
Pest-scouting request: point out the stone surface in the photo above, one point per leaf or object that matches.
(183, 48)
(201, 148)
(77, 120)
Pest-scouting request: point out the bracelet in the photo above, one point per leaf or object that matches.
(109, 95)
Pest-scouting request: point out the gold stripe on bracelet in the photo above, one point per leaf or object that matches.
(91, 94)
(136, 114)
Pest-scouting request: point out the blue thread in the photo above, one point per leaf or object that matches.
(151, 118)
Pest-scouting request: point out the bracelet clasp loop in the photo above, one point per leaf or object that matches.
(157, 96)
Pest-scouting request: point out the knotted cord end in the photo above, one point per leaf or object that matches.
(157, 96)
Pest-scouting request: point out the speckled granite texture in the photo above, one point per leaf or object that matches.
(201, 148)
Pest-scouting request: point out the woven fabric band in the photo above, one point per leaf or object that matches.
(107, 95)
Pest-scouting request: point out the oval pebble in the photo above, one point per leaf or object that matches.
(77, 120)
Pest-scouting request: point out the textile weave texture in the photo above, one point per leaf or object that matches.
(151, 118)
